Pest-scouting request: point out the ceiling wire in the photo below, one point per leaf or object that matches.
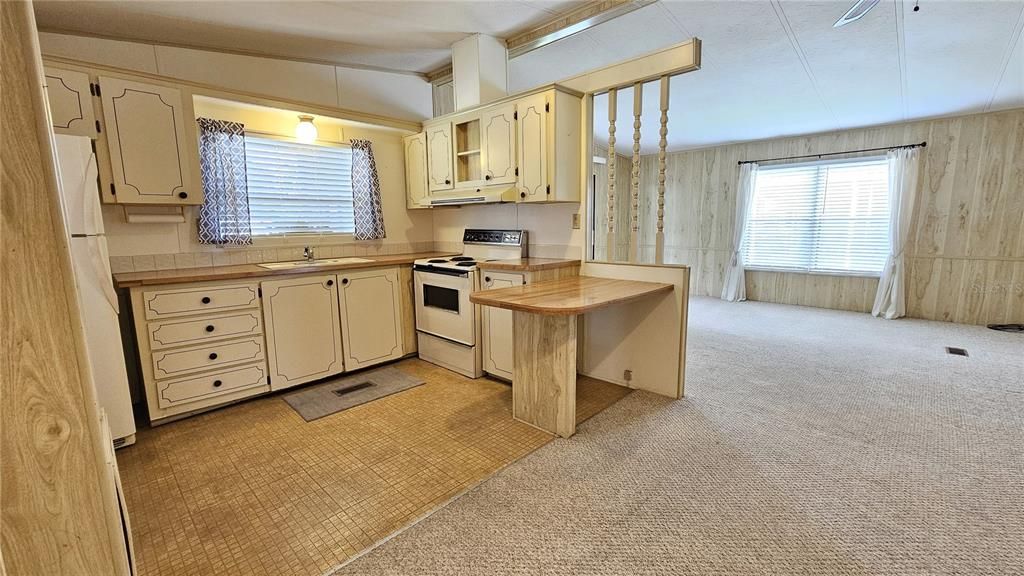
(1015, 38)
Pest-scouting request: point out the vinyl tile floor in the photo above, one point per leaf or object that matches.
(254, 489)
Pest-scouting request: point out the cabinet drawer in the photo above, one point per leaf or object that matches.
(164, 303)
(186, 331)
(210, 385)
(179, 361)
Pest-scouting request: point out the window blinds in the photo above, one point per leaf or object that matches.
(825, 217)
(297, 188)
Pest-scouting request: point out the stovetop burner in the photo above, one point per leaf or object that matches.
(466, 263)
(437, 260)
(462, 259)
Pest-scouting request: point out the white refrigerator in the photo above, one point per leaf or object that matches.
(97, 298)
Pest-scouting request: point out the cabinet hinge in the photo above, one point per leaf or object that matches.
(517, 170)
(515, 115)
(92, 88)
(259, 291)
(113, 191)
(98, 131)
(92, 144)
(98, 92)
(547, 107)
(549, 189)
(268, 380)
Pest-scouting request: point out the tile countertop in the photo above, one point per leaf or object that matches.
(528, 264)
(207, 273)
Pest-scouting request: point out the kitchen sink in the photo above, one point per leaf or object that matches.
(313, 263)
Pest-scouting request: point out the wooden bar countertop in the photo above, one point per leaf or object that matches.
(527, 264)
(208, 273)
(568, 296)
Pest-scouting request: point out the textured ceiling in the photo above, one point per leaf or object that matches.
(411, 35)
(770, 67)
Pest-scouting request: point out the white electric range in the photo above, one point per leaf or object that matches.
(447, 323)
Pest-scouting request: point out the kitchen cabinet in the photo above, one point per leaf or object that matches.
(548, 143)
(498, 144)
(303, 329)
(496, 326)
(439, 157)
(151, 158)
(69, 93)
(371, 316)
(417, 190)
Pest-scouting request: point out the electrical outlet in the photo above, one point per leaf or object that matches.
(627, 375)
(576, 221)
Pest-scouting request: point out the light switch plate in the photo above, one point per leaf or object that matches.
(576, 221)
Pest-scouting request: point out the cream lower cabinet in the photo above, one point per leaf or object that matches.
(371, 316)
(303, 329)
(497, 326)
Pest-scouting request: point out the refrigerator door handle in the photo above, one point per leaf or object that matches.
(100, 266)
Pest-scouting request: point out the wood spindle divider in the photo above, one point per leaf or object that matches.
(659, 246)
(612, 108)
(634, 180)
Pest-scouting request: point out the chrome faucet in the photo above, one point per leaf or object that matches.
(308, 254)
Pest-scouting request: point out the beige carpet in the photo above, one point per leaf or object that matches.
(810, 442)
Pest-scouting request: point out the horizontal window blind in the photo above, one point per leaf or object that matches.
(826, 217)
(297, 188)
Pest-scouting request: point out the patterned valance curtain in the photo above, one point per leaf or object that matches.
(224, 215)
(369, 217)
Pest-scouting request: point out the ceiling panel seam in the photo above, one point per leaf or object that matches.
(901, 57)
(795, 43)
(1015, 38)
(704, 61)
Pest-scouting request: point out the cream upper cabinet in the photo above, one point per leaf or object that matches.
(150, 154)
(416, 188)
(439, 157)
(496, 326)
(70, 96)
(498, 144)
(371, 317)
(533, 136)
(303, 329)
(548, 144)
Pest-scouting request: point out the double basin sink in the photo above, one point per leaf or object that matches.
(312, 263)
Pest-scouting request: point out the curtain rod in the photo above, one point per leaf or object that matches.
(919, 145)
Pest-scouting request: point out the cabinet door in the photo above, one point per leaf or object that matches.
(300, 317)
(147, 140)
(498, 144)
(70, 96)
(497, 327)
(532, 136)
(371, 317)
(439, 157)
(416, 171)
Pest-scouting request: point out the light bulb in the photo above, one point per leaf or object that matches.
(305, 131)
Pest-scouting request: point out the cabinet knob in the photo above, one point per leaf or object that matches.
(344, 280)
(205, 300)
(213, 355)
(488, 177)
(447, 181)
(182, 195)
(209, 327)
(217, 383)
(487, 279)
(522, 194)
(330, 282)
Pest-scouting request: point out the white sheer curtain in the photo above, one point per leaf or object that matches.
(890, 301)
(735, 288)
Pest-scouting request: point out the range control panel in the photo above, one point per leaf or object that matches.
(495, 237)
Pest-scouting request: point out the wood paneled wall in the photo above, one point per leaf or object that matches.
(965, 261)
(56, 515)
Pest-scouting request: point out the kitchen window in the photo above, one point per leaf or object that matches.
(820, 217)
(297, 188)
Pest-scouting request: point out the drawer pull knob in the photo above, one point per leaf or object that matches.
(487, 279)
(209, 327)
(182, 195)
(344, 280)
(522, 194)
(330, 282)
(206, 300)
(217, 383)
(213, 355)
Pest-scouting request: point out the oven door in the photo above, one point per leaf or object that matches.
(442, 304)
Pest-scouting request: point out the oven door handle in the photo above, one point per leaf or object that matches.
(434, 270)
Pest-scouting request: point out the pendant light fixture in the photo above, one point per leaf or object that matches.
(305, 130)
